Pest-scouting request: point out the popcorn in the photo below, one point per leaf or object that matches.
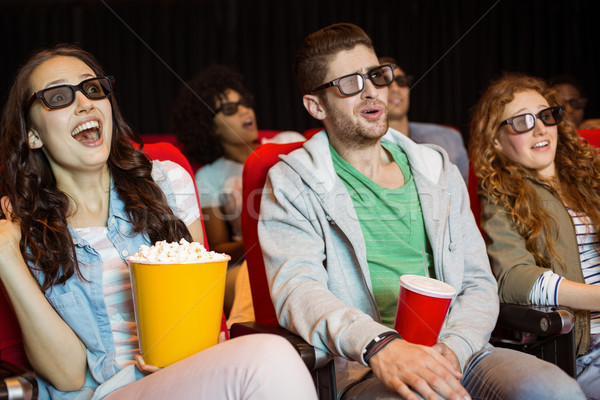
(175, 253)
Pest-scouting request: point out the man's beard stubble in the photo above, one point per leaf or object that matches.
(353, 134)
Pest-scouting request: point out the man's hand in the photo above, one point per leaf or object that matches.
(449, 354)
(404, 367)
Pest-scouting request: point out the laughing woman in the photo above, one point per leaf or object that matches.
(77, 199)
(539, 185)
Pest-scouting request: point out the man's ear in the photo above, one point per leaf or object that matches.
(35, 142)
(314, 106)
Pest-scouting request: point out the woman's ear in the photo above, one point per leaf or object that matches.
(35, 142)
(497, 144)
(314, 106)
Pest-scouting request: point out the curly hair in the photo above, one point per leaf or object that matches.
(505, 182)
(314, 53)
(41, 209)
(193, 113)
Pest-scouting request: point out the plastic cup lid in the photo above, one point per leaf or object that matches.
(427, 286)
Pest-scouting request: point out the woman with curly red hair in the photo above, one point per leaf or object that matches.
(539, 185)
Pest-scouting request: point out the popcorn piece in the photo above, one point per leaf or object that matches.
(172, 253)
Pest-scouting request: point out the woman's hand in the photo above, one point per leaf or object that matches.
(147, 369)
(10, 237)
(143, 367)
(10, 229)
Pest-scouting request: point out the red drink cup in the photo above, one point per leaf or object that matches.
(422, 307)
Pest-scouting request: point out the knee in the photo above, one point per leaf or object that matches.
(550, 382)
(269, 347)
(277, 347)
(509, 374)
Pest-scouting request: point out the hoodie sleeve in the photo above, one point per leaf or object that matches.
(473, 314)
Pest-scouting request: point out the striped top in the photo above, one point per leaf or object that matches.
(587, 240)
(545, 289)
(115, 274)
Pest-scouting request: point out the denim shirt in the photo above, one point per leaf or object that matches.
(81, 304)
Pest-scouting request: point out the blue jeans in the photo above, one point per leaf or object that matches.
(495, 373)
(588, 369)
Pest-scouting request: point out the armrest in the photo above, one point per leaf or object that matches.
(17, 382)
(540, 320)
(306, 351)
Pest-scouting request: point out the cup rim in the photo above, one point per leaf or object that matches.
(144, 262)
(428, 286)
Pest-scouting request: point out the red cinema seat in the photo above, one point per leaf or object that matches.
(254, 176)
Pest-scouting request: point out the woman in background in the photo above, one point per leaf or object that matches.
(78, 198)
(213, 117)
(539, 185)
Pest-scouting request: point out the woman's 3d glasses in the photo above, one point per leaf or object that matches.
(62, 96)
(525, 122)
(230, 107)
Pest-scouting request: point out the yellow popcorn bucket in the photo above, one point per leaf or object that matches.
(178, 307)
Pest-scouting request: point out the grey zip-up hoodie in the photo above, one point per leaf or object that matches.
(315, 253)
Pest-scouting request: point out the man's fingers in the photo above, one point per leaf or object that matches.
(446, 363)
(429, 384)
(421, 386)
(405, 391)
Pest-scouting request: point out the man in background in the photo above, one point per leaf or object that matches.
(449, 139)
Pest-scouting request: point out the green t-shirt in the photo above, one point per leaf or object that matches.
(392, 224)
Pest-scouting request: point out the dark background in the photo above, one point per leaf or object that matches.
(453, 47)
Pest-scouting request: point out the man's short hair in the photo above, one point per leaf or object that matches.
(313, 56)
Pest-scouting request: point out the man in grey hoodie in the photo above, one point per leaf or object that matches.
(359, 205)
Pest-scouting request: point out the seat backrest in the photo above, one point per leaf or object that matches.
(11, 342)
(161, 137)
(164, 151)
(254, 177)
(152, 138)
(311, 132)
(591, 135)
(267, 134)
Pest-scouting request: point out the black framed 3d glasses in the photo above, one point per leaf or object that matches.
(404, 80)
(230, 107)
(352, 84)
(62, 96)
(524, 123)
(578, 103)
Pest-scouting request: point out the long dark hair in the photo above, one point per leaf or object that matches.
(42, 209)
